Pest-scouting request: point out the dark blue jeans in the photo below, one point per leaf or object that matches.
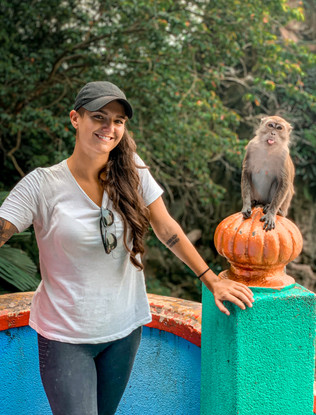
(86, 379)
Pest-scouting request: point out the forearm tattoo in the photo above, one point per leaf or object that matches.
(6, 230)
(172, 241)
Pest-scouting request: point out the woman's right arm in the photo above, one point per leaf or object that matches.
(7, 229)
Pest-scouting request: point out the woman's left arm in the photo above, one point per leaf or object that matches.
(170, 233)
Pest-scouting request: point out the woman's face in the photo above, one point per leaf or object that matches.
(99, 132)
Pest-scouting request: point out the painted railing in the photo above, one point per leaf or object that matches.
(165, 379)
(168, 377)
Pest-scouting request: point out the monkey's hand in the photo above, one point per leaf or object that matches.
(246, 212)
(269, 221)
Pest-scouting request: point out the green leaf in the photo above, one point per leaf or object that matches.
(3, 195)
(17, 269)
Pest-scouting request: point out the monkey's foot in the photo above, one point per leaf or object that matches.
(265, 208)
(246, 212)
(269, 221)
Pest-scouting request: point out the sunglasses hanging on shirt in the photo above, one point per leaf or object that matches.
(109, 239)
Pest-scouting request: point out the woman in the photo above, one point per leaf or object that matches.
(90, 213)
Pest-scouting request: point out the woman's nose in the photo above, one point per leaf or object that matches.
(108, 125)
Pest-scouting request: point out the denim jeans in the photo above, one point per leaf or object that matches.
(86, 379)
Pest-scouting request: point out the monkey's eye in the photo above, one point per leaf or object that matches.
(270, 125)
(279, 127)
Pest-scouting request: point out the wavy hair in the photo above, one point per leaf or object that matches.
(121, 181)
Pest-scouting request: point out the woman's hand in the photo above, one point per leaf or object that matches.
(228, 290)
(170, 233)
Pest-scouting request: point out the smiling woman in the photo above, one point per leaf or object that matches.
(90, 214)
(105, 126)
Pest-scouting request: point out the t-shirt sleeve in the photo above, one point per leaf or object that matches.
(21, 206)
(149, 187)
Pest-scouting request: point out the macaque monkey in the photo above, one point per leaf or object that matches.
(268, 171)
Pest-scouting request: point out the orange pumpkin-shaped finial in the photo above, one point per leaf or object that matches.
(258, 257)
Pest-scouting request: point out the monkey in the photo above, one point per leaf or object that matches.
(268, 171)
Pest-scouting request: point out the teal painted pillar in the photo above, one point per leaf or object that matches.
(259, 361)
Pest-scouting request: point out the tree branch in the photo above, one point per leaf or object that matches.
(13, 150)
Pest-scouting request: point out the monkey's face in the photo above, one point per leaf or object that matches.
(274, 130)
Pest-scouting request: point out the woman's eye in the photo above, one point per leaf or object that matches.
(119, 122)
(98, 117)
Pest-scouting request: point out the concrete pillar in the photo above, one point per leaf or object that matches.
(259, 361)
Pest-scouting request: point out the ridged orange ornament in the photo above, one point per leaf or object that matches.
(257, 257)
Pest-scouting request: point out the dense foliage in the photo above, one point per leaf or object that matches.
(200, 75)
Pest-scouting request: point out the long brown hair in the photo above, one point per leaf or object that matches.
(121, 181)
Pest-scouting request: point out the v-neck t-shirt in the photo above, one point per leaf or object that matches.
(86, 295)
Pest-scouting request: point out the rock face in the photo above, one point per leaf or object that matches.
(258, 257)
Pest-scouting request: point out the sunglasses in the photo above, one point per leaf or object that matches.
(109, 239)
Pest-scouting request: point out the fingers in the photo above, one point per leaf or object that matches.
(243, 287)
(236, 300)
(234, 292)
(221, 307)
(231, 299)
(269, 222)
(242, 299)
(245, 295)
(268, 225)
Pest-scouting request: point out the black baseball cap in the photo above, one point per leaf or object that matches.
(94, 95)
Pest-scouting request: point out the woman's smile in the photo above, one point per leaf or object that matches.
(105, 138)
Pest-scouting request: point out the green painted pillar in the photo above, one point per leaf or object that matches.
(259, 361)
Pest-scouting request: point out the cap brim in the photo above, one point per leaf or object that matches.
(102, 101)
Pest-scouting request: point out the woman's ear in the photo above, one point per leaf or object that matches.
(74, 118)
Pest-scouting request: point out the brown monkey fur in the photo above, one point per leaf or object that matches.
(268, 171)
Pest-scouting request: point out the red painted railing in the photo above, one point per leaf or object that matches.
(180, 317)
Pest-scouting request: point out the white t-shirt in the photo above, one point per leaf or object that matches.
(86, 295)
